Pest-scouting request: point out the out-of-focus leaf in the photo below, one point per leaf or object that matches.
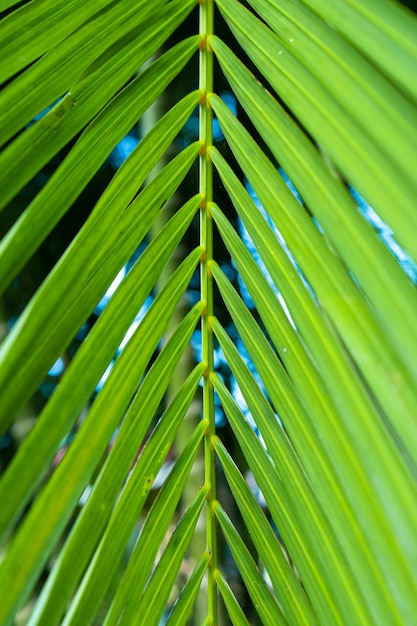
(382, 30)
(97, 511)
(354, 153)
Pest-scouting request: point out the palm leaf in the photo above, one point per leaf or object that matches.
(233, 607)
(299, 446)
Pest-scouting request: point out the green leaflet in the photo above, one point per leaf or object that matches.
(357, 157)
(33, 148)
(389, 378)
(96, 513)
(20, 479)
(328, 199)
(182, 610)
(271, 486)
(383, 453)
(48, 22)
(287, 588)
(266, 606)
(56, 72)
(133, 497)
(157, 590)
(153, 531)
(88, 267)
(376, 105)
(301, 502)
(48, 517)
(313, 438)
(235, 612)
(384, 31)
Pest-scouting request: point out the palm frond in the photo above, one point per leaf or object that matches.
(286, 436)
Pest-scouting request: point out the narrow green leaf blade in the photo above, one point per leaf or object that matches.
(329, 201)
(20, 162)
(156, 593)
(234, 610)
(390, 372)
(56, 72)
(154, 529)
(357, 157)
(182, 610)
(33, 148)
(92, 521)
(389, 475)
(74, 287)
(110, 550)
(289, 592)
(378, 107)
(342, 500)
(272, 489)
(48, 22)
(302, 503)
(382, 30)
(84, 372)
(265, 603)
(53, 508)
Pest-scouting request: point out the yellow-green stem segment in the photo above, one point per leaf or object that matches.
(206, 240)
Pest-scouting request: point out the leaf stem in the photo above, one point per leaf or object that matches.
(206, 240)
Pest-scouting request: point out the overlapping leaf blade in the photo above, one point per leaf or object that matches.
(156, 593)
(77, 169)
(96, 513)
(266, 605)
(287, 588)
(48, 22)
(182, 610)
(358, 158)
(383, 31)
(154, 529)
(329, 201)
(98, 575)
(51, 512)
(233, 608)
(307, 436)
(272, 489)
(55, 317)
(373, 102)
(20, 480)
